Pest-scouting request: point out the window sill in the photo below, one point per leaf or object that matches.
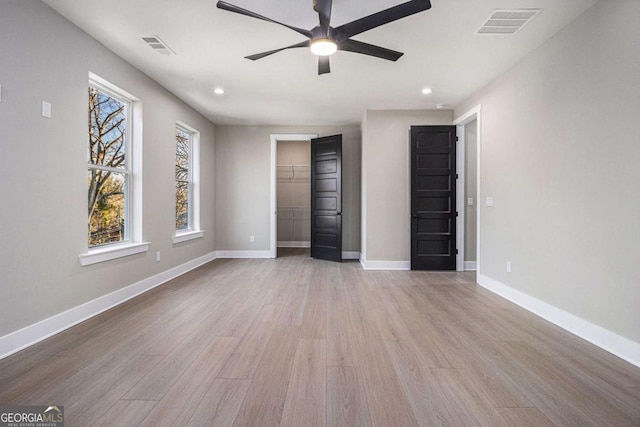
(95, 256)
(189, 235)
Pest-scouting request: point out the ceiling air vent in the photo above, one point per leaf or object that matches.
(158, 45)
(507, 21)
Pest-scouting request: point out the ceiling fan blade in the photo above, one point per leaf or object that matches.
(361, 25)
(231, 8)
(271, 52)
(369, 49)
(323, 65)
(323, 7)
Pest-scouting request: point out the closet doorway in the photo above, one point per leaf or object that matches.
(290, 191)
(293, 194)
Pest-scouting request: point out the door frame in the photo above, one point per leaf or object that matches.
(473, 114)
(275, 137)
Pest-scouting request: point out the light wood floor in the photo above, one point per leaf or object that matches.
(301, 342)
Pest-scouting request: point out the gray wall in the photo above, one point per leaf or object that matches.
(561, 156)
(386, 173)
(243, 160)
(43, 172)
(470, 190)
(294, 191)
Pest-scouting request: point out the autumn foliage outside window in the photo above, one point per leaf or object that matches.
(109, 170)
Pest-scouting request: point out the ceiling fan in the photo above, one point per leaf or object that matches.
(324, 39)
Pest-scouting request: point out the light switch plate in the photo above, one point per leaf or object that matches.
(469, 201)
(46, 109)
(489, 201)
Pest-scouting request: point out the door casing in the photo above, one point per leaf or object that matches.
(474, 113)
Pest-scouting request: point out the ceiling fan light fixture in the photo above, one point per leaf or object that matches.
(324, 40)
(324, 47)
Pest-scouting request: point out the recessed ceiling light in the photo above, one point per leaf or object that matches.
(441, 106)
(218, 91)
(426, 91)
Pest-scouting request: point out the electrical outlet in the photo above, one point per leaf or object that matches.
(157, 256)
(489, 201)
(469, 201)
(508, 266)
(252, 239)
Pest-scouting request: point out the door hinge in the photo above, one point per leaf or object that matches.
(456, 213)
(457, 176)
(456, 139)
(456, 252)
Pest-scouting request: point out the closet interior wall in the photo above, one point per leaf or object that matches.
(294, 193)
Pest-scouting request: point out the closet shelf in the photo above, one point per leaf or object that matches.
(293, 173)
(294, 213)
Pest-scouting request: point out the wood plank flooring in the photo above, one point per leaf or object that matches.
(302, 342)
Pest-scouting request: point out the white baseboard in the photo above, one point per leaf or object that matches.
(32, 334)
(470, 266)
(293, 244)
(243, 254)
(622, 347)
(384, 265)
(350, 255)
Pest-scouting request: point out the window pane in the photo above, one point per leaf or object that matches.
(182, 205)
(106, 207)
(182, 154)
(107, 127)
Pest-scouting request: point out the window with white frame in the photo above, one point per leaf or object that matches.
(114, 173)
(110, 168)
(186, 177)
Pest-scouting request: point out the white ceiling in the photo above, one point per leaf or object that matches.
(441, 52)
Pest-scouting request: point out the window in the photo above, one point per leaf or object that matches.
(184, 180)
(186, 186)
(109, 172)
(114, 190)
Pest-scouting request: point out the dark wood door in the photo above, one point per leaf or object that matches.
(326, 198)
(433, 197)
